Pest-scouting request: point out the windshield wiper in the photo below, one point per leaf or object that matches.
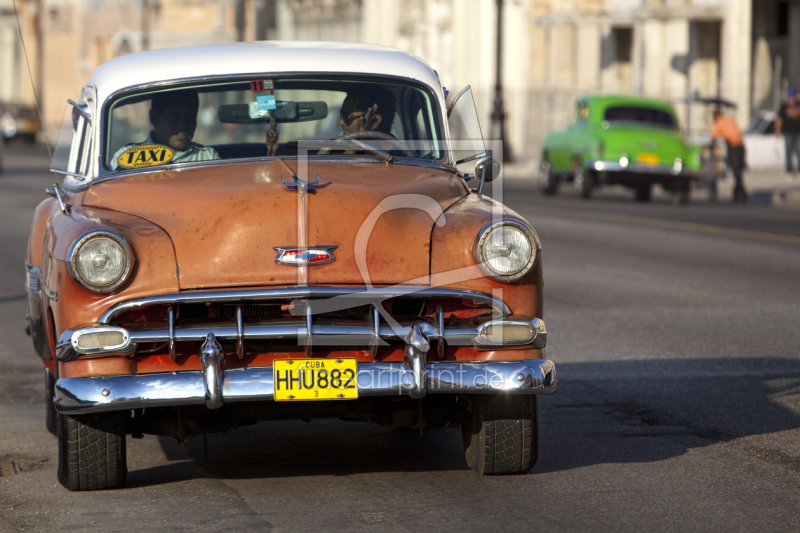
(333, 143)
(380, 153)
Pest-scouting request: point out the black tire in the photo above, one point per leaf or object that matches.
(51, 415)
(547, 181)
(643, 193)
(582, 181)
(501, 434)
(91, 451)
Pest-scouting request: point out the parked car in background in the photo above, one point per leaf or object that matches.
(231, 246)
(763, 150)
(19, 122)
(626, 140)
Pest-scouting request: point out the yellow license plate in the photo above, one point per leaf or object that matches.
(315, 379)
(649, 159)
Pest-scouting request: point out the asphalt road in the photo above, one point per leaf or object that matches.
(676, 335)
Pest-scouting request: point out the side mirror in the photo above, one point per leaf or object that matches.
(486, 169)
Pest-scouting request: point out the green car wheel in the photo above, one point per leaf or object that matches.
(547, 182)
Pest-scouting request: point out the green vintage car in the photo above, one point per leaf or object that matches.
(626, 140)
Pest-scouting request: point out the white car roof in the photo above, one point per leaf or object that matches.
(262, 58)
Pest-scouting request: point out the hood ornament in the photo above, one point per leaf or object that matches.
(299, 184)
(299, 256)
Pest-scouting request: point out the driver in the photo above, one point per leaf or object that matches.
(173, 115)
(368, 109)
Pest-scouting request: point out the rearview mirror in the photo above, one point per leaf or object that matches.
(284, 112)
(487, 168)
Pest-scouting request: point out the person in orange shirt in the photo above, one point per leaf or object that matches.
(725, 127)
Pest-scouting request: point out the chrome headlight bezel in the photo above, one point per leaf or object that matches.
(88, 237)
(485, 232)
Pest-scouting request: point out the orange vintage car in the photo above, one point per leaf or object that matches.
(276, 231)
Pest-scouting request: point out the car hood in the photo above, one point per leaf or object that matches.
(226, 220)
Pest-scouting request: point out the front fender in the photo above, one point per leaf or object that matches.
(154, 270)
(453, 264)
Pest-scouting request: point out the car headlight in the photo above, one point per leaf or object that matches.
(100, 260)
(506, 249)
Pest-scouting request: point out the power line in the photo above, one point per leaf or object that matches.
(30, 75)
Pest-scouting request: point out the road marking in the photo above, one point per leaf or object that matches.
(662, 223)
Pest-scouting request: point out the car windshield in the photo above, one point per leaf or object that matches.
(258, 118)
(640, 115)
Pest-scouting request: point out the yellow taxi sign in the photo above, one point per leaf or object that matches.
(145, 155)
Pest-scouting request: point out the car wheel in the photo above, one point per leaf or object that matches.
(582, 181)
(91, 451)
(547, 182)
(643, 192)
(51, 415)
(501, 434)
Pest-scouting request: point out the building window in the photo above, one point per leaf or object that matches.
(783, 19)
(623, 44)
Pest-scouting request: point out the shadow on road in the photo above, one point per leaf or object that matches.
(610, 412)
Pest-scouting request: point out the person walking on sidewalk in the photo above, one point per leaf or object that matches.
(725, 127)
(788, 123)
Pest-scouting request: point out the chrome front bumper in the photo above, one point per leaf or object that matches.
(616, 166)
(91, 395)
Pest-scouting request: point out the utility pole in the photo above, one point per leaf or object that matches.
(498, 113)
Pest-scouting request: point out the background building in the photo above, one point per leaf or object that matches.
(745, 51)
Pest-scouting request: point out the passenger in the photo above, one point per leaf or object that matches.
(173, 115)
(369, 109)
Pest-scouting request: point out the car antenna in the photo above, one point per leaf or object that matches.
(33, 86)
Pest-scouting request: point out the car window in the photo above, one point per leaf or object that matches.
(269, 117)
(72, 153)
(640, 115)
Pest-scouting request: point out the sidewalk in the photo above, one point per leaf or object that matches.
(765, 186)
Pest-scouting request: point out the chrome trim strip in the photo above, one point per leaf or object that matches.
(376, 333)
(86, 237)
(71, 174)
(439, 317)
(85, 395)
(616, 166)
(239, 333)
(369, 335)
(369, 295)
(171, 326)
(50, 293)
(33, 280)
(83, 109)
(307, 341)
(453, 104)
